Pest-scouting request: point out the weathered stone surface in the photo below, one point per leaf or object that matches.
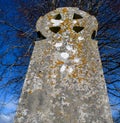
(65, 82)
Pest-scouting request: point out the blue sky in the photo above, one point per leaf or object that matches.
(16, 49)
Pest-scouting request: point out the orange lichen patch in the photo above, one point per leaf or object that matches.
(69, 28)
(67, 24)
(53, 66)
(59, 62)
(79, 45)
(30, 92)
(94, 69)
(49, 75)
(61, 31)
(79, 66)
(73, 35)
(74, 74)
(60, 38)
(40, 75)
(64, 10)
(72, 57)
(84, 61)
(83, 23)
(88, 74)
(64, 79)
(50, 17)
(52, 83)
(80, 48)
(67, 21)
(77, 24)
(67, 67)
(80, 79)
(77, 35)
(46, 52)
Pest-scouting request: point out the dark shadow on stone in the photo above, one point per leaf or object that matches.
(55, 29)
(78, 28)
(76, 16)
(40, 36)
(58, 17)
(93, 34)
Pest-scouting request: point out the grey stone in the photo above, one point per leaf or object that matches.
(65, 82)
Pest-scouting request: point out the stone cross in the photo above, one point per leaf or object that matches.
(65, 82)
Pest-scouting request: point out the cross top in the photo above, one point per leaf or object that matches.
(68, 31)
(68, 23)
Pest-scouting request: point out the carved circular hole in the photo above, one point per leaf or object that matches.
(77, 16)
(58, 17)
(55, 29)
(93, 34)
(78, 28)
(40, 36)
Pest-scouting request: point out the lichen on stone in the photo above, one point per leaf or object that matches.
(64, 83)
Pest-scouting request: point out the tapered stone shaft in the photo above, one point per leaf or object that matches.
(65, 82)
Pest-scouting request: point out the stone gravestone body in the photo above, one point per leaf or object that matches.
(65, 82)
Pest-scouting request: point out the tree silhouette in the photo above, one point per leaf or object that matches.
(17, 37)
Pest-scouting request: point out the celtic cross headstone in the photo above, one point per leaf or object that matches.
(65, 82)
